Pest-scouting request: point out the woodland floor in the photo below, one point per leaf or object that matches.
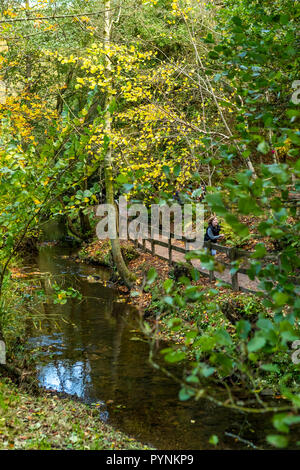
(47, 422)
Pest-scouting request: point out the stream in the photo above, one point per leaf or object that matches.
(93, 350)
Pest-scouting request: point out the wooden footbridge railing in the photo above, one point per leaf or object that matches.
(232, 254)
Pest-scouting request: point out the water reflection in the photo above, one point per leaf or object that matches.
(65, 377)
(91, 354)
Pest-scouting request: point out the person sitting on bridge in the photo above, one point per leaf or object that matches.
(213, 232)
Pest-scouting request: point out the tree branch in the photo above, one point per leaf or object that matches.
(54, 17)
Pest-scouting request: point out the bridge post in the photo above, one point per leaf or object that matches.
(234, 277)
(211, 273)
(170, 250)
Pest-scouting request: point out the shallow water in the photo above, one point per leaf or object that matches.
(92, 351)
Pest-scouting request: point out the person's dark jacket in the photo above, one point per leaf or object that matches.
(212, 233)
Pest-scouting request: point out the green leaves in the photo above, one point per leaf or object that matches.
(277, 440)
(256, 343)
(243, 328)
(185, 394)
(151, 276)
(237, 20)
(260, 251)
(270, 368)
(214, 440)
(247, 205)
(263, 147)
(173, 356)
(122, 179)
(236, 225)
(284, 19)
(168, 283)
(283, 421)
(216, 203)
(166, 171)
(207, 371)
(177, 170)
(280, 298)
(223, 338)
(61, 296)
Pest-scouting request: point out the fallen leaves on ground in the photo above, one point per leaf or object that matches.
(49, 422)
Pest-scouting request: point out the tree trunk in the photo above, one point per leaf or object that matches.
(28, 58)
(3, 48)
(2, 348)
(127, 277)
(85, 224)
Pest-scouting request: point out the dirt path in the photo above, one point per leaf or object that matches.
(225, 276)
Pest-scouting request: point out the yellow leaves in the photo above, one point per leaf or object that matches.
(85, 19)
(64, 60)
(24, 110)
(282, 151)
(9, 13)
(93, 69)
(51, 27)
(151, 2)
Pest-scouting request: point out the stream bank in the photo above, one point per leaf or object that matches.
(50, 422)
(31, 417)
(95, 350)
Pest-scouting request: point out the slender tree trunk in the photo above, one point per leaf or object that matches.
(28, 58)
(127, 277)
(209, 86)
(3, 93)
(3, 90)
(3, 48)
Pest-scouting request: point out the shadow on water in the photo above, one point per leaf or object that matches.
(90, 353)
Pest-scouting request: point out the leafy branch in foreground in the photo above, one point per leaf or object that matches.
(250, 354)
